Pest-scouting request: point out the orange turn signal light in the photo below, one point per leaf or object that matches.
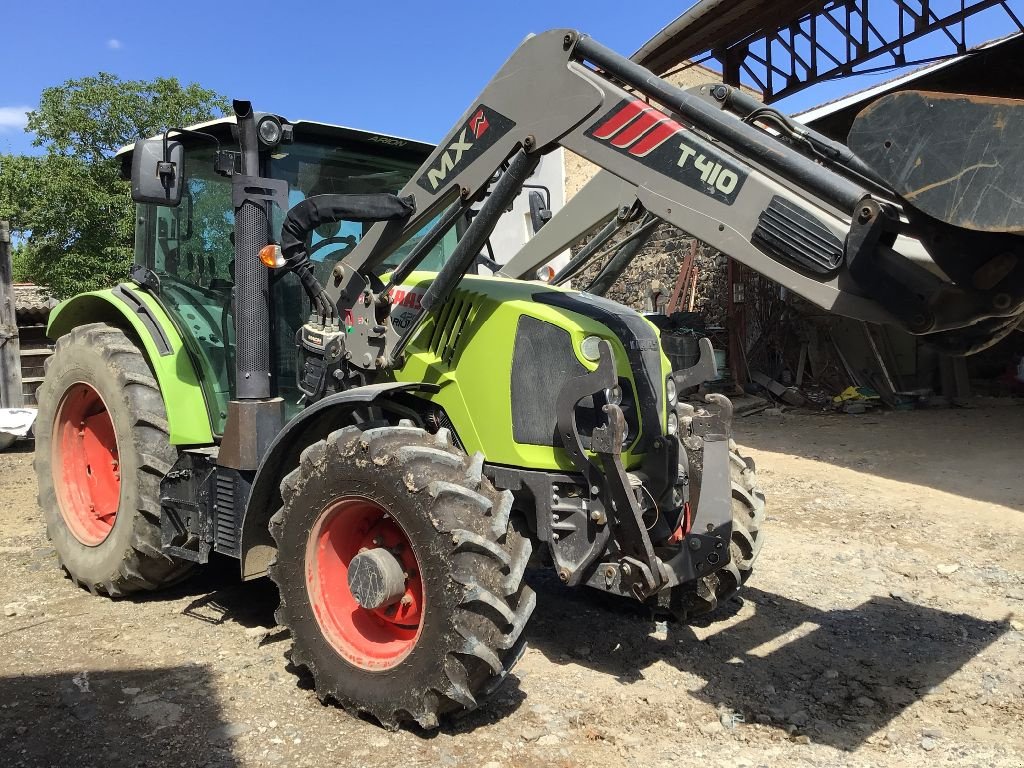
(546, 273)
(271, 256)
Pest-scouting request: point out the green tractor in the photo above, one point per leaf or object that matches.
(301, 375)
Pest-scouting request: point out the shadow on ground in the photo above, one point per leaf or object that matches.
(126, 717)
(837, 675)
(218, 596)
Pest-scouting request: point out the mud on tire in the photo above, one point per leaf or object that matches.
(128, 559)
(471, 562)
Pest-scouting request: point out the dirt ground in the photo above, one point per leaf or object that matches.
(882, 627)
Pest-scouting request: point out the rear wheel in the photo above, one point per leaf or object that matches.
(102, 446)
(401, 579)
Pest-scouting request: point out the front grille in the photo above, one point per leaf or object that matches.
(451, 322)
(542, 361)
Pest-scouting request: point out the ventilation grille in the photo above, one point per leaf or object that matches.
(448, 330)
(794, 236)
(253, 312)
(226, 524)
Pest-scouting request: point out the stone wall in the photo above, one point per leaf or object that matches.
(663, 256)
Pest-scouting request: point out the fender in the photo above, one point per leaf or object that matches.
(125, 306)
(312, 424)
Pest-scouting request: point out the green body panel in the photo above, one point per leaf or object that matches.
(187, 414)
(475, 381)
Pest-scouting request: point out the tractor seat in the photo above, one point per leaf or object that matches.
(956, 158)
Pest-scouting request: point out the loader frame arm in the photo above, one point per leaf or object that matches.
(824, 232)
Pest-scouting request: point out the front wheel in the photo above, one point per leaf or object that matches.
(400, 577)
(748, 512)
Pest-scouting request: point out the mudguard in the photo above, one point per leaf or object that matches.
(312, 424)
(125, 306)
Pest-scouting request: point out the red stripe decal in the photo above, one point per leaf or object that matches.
(615, 123)
(638, 128)
(662, 133)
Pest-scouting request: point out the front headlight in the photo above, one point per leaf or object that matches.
(671, 391)
(590, 348)
(672, 424)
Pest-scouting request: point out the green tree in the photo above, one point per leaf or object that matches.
(69, 208)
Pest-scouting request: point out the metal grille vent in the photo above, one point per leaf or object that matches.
(450, 325)
(225, 500)
(797, 238)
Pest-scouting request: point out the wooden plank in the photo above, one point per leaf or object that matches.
(801, 364)
(679, 290)
(10, 360)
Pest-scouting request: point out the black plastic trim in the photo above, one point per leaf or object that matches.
(794, 236)
(138, 306)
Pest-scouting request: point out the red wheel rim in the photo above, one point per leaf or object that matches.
(374, 639)
(86, 469)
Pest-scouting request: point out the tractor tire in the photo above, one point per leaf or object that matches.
(748, 513)
(457, 630)
(102, 447)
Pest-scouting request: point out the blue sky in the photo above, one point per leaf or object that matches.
(403, 68)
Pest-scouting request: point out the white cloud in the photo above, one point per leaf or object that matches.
(114, 44)
(12, 118)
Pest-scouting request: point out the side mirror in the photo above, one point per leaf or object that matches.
(158, 177)
(540, 213)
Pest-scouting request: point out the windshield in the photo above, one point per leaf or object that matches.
(317, 169)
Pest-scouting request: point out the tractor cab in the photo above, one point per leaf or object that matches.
(186, 253)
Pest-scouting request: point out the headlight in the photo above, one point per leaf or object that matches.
(590, 348)
(670, 390)
(269, 131)
(672, 425)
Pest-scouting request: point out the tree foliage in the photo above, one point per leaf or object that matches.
(69, 207)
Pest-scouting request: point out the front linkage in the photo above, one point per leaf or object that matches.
(594, 522)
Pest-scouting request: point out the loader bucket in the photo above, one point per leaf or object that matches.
(956, 158)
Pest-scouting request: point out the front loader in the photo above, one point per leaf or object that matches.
(304, 375)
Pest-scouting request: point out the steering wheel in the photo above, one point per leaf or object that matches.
(349, 241)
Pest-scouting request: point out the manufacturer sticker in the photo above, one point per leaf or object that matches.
(637, 129)
(405, 306)
(481, 132)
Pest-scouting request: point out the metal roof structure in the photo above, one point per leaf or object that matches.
(783, 46)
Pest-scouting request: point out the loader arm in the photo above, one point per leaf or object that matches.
(807, 215)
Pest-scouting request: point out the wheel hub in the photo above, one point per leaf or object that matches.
(86, 465)
(376, 579)
(364, 583)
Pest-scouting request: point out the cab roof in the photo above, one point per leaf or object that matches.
(310, 130)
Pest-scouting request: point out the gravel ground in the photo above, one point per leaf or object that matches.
(882, 627)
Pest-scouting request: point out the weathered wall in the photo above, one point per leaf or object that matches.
(663, 256)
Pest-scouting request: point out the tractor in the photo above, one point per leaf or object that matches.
(308, 373)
